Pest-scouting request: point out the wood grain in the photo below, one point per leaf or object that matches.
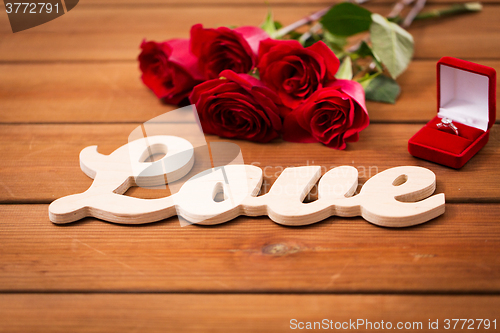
(76, 92)
(227, 313)
(102, 33)
(40, 162)
(113, 92)
(457, 252)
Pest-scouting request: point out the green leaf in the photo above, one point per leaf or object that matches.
(365, 80)
(365, 50)
(382, 89)
(269, 25)
(347, 19)
(345, 69)
(392, 44)
(331, 39)
(335, 43)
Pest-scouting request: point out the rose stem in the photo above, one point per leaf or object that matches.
(306, 20)
(452, 10)
(398, 8)
(413, 13)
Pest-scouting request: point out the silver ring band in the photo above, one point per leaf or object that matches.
(447, 123)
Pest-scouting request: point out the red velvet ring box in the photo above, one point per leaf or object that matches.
(467, 95)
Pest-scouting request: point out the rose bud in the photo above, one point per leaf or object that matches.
(238, 106)
(332, 115)
(293, 71)
(169, 69)
(224, 48)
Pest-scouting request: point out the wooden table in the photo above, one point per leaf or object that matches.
(74, 82)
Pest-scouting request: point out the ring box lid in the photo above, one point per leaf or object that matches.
(466, 92)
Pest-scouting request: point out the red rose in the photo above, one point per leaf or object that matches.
(223, 48)
(293, 71)
(332, 115)
(169, 69)
(238, 106)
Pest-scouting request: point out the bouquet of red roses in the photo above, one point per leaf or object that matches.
(247, 85)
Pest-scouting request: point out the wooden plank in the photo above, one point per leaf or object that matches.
(233, 313)
(114, 33)
(40, 162)
(81, 92)
(272, 3)
(455, 253)
(113, 92)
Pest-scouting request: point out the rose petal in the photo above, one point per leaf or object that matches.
(293, 132)
(329, 115)
(171, 81)
(295, 72)
(353, 89)
(224, 48)
(238, 106)
(181, 55)
(253, 36)
(330, 59)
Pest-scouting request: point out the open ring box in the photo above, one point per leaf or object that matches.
(467, 95)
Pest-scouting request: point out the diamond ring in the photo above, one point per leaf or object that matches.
(446, 123)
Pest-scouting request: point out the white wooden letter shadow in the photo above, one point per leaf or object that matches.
(396, 197)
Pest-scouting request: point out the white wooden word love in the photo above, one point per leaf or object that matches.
(390, 198)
